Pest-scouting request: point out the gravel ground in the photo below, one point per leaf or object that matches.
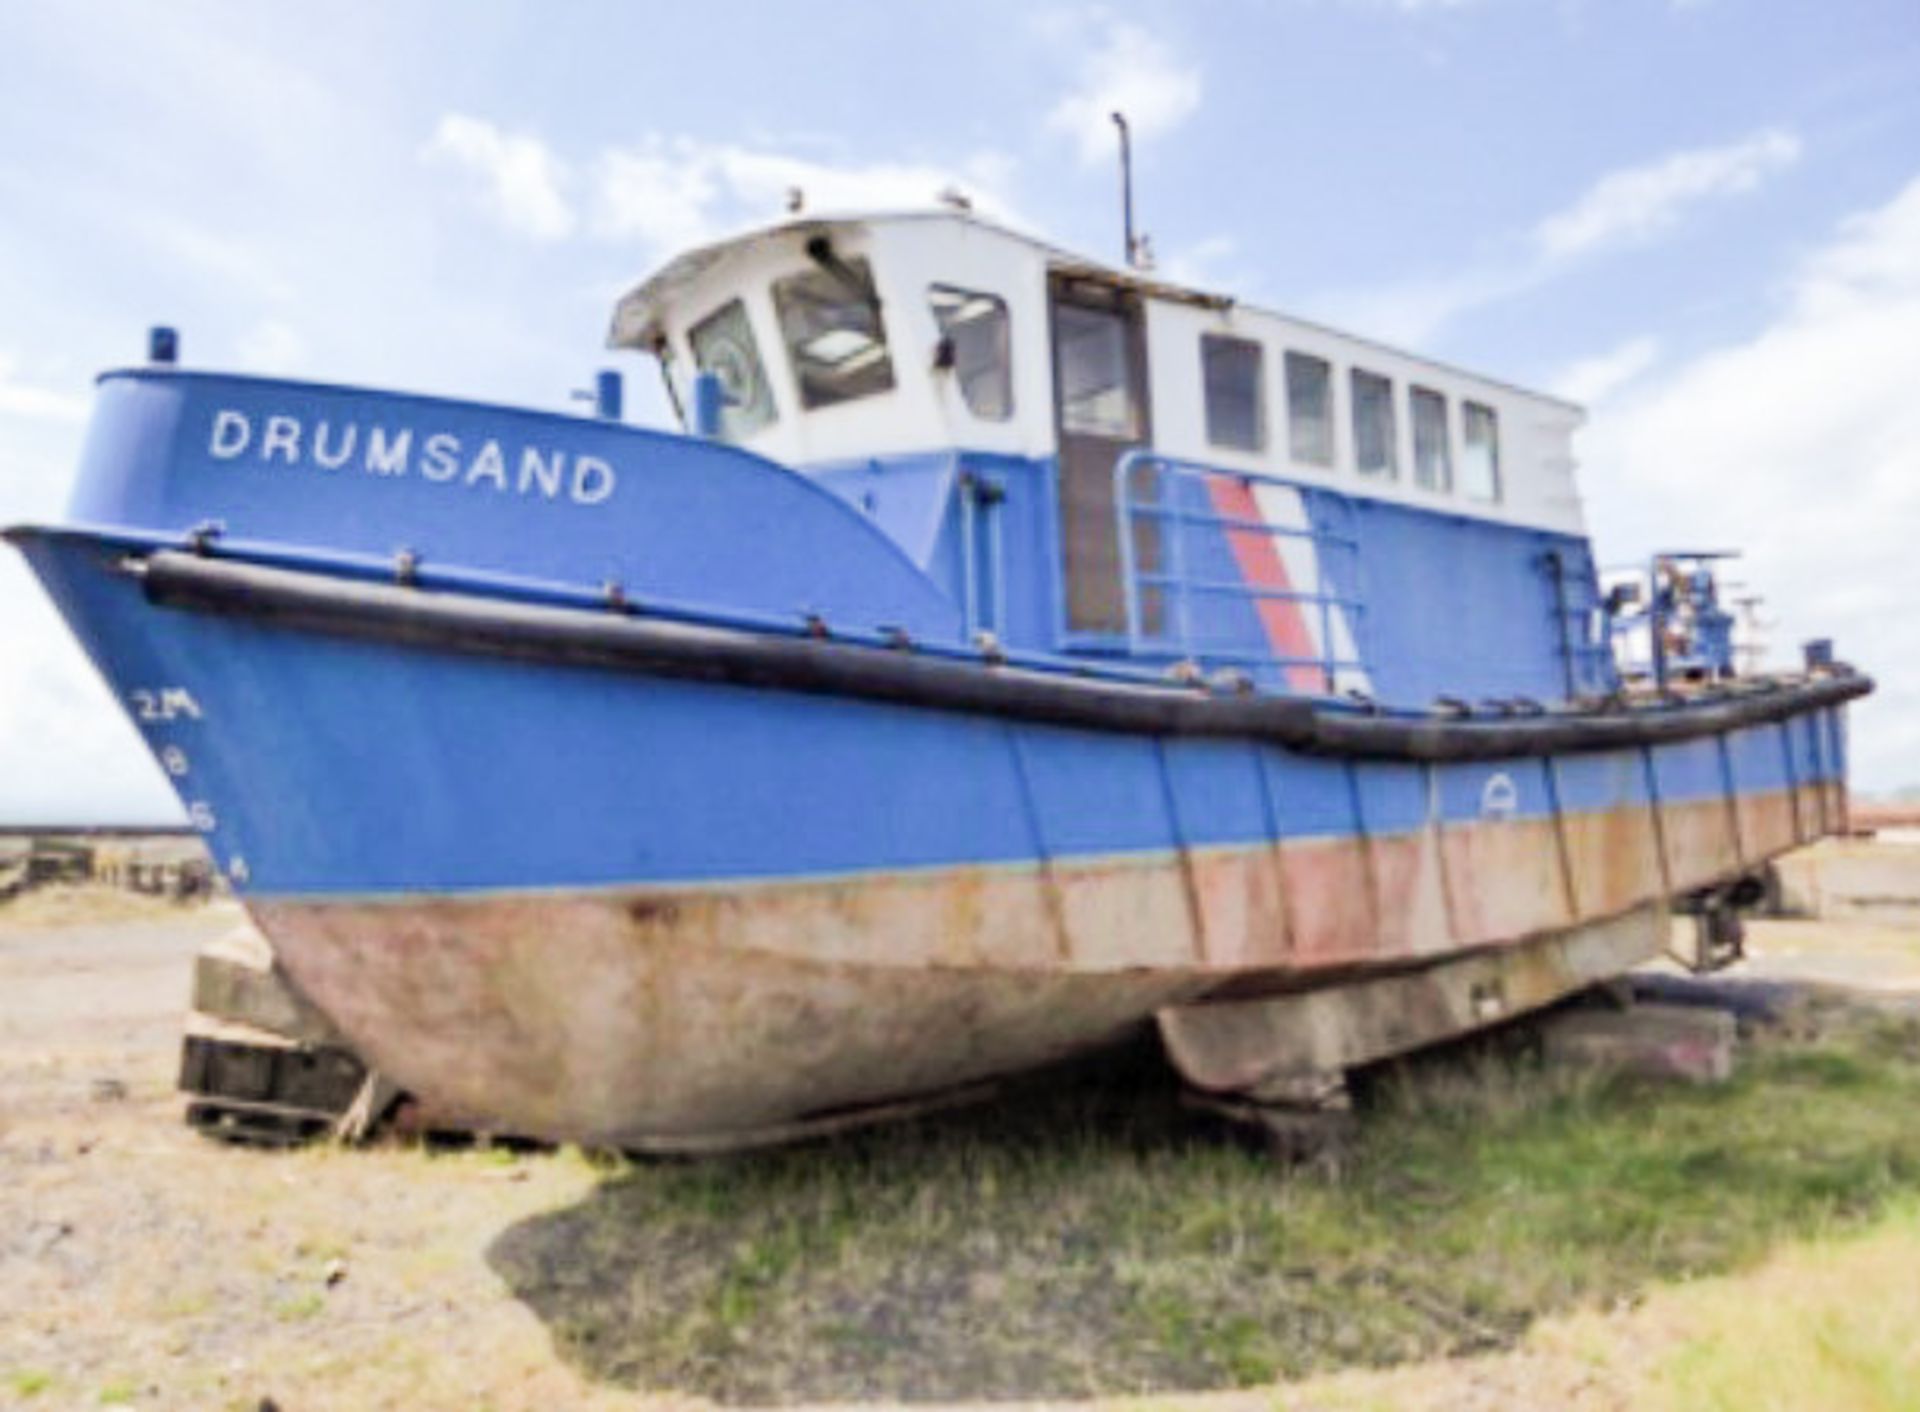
(142, 1265)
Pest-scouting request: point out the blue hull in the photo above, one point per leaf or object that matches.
(545, 890)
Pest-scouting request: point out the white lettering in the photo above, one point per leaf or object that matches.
(388, 456)
(547, 471)
(490, 465)
(231, 433)
(165, 703)
(442, 460)
(283, 434)
(592, 480)
(332, 460)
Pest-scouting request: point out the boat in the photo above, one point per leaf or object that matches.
(1005, 652)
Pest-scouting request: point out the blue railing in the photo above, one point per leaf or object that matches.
(1194, 602)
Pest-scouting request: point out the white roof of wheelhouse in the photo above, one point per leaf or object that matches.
(640, 312)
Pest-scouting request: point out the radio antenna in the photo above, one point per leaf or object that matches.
(1126, 188)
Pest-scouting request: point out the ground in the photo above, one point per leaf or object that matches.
(1500, 1235)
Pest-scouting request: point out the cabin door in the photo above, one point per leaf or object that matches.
(1100, 413)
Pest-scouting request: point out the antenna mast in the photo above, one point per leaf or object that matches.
(1126, 189)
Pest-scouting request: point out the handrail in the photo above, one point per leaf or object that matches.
(1337, 599)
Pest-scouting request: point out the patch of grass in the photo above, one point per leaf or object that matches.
(29, 1382)
(299, 1307)
(118, 1394)
(1089, 1236)
(1828, 1324)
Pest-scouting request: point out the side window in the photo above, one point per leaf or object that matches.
(976, 329)
(1480, 465)
(723, 345)
(1309, 409)
(1373, 427)
(1432, 448)
(1092, 363)
(1236, 411)
(831, 322)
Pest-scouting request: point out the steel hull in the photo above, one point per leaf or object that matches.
(573, 902)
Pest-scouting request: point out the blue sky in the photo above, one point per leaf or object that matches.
(1702, 217)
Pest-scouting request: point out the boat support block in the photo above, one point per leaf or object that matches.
(1270, 1049)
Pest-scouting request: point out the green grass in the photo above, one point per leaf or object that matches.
(29, 1382)
(299, 1307)
(1089, 1236)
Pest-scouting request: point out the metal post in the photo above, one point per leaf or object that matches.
(969, 569)
(1123, 516)
(1126, 186)
(609, 395)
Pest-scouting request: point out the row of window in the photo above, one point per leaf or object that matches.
(1233, 375)
(830, 322)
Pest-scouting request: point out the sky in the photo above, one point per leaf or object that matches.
(1699, 217)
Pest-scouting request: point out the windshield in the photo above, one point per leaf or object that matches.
(723, 345)
(830, 319)
(975, 326)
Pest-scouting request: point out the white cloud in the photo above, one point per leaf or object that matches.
(225, 259)
(522, 180)
(1124, 69)
(19, 398)
(1205, 264)
(674, 192)
(1624, 207)
(1639, 202)
(70, 753)
(271, 347)
(1596, 378)
(1801, 445)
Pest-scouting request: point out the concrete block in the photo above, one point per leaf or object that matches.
(1846, 879)
(1654, 1041)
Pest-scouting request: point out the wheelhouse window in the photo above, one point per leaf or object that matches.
(1309, 409)
(1373, 425)
(830, 319)
(1432, 448)
(1236, 412)
(976, 343)
(723, 345)
(1480, 463)
(1096, 392)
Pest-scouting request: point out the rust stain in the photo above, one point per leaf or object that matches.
(1615, 859)
(1408, 897)
(1327, 892)
(1507, 879)
(1700, 844)
(567, 1018)
(1238, 897)
(1766, 823)
(696, 1010)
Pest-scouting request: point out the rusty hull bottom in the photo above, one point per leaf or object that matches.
(623, 1016)
(1275, 1048)
(583, 1017)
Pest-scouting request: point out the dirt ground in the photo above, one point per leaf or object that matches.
(143, 1265)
